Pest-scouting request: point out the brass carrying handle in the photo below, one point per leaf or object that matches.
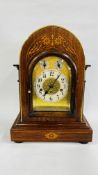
(17, 67)
(86, 66)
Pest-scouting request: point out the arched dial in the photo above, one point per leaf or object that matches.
(51, 86)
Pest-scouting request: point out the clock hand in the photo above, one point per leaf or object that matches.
(46, 92)
(55, 80)
(51, 86)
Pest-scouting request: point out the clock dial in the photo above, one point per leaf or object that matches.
(51, 88)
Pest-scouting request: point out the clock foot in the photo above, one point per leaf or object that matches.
(83, 142)
(18, 142)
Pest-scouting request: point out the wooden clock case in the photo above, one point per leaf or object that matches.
(51, 126)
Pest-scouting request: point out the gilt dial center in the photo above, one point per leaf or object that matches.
(51, 86)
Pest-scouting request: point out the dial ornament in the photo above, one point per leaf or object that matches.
(44, 64)
(59, 64)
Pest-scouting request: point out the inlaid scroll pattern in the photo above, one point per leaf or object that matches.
(49, 41)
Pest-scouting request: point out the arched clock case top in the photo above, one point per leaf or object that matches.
(50, 125)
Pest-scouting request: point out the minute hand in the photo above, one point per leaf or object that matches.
(55, 80)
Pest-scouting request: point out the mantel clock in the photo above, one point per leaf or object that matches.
(51, 86)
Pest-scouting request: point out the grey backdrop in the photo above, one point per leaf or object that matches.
(18, 19)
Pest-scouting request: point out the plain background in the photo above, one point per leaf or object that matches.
(18, 19)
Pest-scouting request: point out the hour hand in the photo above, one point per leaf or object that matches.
(46, 92)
